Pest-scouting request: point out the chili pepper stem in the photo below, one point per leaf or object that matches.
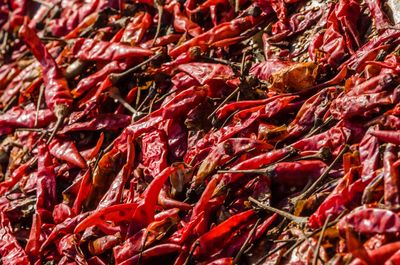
(39, 102)
(60, 111)
(189, 258)
(114, 78)
(245, 171)
(42, 3)
(229, 97)
(117, 97)
(246, 242)
(310, 190)
(296, 219)
(160, 11)
(321, 236)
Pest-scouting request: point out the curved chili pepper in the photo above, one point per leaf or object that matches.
(214, 239)
(88, 83)
(136, 28)
(181, 22)
(144, 214)
(16, 176)
(56, 92)
(115, 213)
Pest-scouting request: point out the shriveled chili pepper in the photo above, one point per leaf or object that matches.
(144, 214)
(214, 239)
(391, 176)
(66, 150)
(219, 32)
(10, 249)
(92, 50)
(57, 94)
(371, 220)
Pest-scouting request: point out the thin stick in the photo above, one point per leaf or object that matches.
(115, 77)
(123, 102)
(296, 219)
(43, 3)
(41, 90)
(160, 11)
(321, 236)
(246, 242)
(273, 251)
(316, 183)
(225, 100)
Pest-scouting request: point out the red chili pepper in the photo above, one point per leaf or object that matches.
(66, 150)
(391, 176)
(214, 239)
(371, 220)
(369, 154)
(135, 30)
(181, 22)
(154, 153)
(71, 17)
(26, 118)
(84, 189)
(15, 177)
(158, 250)
(93, 50)
(144, 214)
(380, 255)
(64, 228)
(88, 83)
(116, 213)
(56, 92)
(33, 245)
(218, 33)
(46, 180)
(225, 151)
(115, 192)
(10, 250)
(392, 137)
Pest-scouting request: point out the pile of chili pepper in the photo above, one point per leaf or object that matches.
(204, 132)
